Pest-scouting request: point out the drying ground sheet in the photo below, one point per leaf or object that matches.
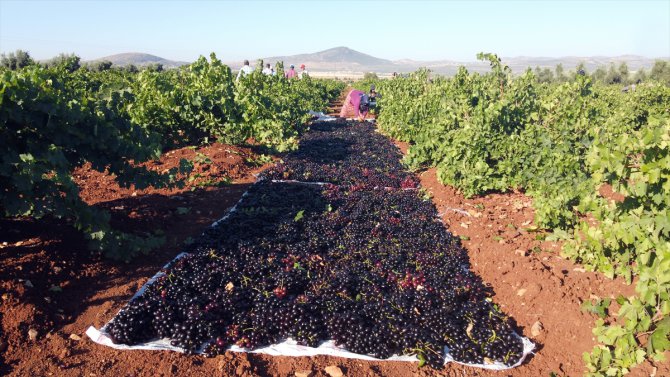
(362, 261)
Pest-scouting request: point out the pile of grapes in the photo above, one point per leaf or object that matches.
(344, 155)
(369, 267)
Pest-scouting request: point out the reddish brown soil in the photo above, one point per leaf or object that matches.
(213, 164)
(336, 106)
(531, 281)
(52, 284)
(70, 289)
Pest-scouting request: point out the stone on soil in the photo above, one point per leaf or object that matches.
(334, 371)
(536, 329)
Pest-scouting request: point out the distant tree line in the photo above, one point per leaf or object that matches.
(611, 75)
(71, 62)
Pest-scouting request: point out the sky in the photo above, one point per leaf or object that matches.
(418, 30)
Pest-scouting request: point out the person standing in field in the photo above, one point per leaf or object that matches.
(291, 73)
(245, 70)
(267, 70)
(357, 102)
(303, 72)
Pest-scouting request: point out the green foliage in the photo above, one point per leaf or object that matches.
(279, 68)
(599, 74)
(188, 105)
(131, 68)
(101, 66)
(274, 111)
(56, 119)
(560, 143)
(661, 71)
(617, 75)
(544, 75)
(609, 75)
(560, 73)
(599, 307)
(640, 75)
(259, 161)
(16, 60)
(202, 102)
(364, 84)
(47, 129)
(370, 76)
(632, 237)
(402, 116)
(69, 62)
(154, 67)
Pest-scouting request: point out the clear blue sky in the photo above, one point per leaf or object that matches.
(420, 30)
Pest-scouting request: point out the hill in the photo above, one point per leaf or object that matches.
(334, 56)
(139, 59)
(343, 61)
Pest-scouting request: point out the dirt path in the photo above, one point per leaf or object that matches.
(336, 106)
(51, 284)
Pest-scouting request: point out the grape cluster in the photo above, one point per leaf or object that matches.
(372, 269)
(351, 155)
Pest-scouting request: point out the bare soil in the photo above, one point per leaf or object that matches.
(51, 284)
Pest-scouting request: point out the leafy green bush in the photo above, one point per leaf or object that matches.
(16, 60)
(188, 105)
(69, 62)
(47, 130)
(57, 119)
(274, 111)
(559, 143)
(631, 237)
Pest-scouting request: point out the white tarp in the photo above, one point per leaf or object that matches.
(287, 348)
(321, 117)
(290, 348)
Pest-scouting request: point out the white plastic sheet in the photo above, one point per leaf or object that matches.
(370, 120)
(321, 117)
(288, 347)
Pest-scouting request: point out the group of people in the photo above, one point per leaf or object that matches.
(291, 73)
(268, 70)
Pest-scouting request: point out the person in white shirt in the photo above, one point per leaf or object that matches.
(245, 70)
(268, 71)
(303, 72)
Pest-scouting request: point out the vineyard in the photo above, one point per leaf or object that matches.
(520, 210)
(564, 146)
(55, 120)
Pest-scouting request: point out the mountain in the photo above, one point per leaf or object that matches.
(336, 56)
(343, 61)
(139, 59)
